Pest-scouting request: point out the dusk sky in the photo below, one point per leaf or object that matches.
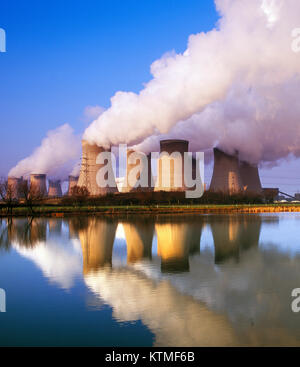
(63, 56)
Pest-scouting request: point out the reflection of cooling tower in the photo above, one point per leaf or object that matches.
(171, 169)
(233, 234)
(226, 175)
(89, 169)
(54, 189)
(174, 243)
(139, 237)
(138, 172)
(72, 183)
(38, 184)
(13, 186)
(97, 241)
(250, 178)
(55, 226)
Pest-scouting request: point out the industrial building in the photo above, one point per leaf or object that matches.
(89, 169)
(138, 172)
(170, 165)
(226, 174)
(54, 190)
(73, 180)
(250, 178)
(38, 184)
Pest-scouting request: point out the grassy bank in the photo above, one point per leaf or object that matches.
(60, 211)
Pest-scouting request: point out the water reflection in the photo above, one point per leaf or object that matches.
(192, 280)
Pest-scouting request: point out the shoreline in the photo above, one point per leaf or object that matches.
(57, 211)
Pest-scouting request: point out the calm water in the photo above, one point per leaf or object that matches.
(181, 281)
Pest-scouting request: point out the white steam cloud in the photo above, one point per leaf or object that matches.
(55, 156)
(236, 86)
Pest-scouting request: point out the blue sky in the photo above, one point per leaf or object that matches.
(65, 55)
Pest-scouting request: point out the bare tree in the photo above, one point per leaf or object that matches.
(31, 195)
(8, 195)
(79, 194)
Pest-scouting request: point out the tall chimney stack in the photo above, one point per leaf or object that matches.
(226, 174)
(89, 169)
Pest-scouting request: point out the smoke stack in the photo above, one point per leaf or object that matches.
(54, 189)
(72, 183)
(171, 169)
(250, 177)
(226, 175)
(38, 184)
(89, 169)
(137, 161)
(13, 185)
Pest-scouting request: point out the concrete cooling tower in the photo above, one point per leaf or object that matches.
(54, 190)
(138, 172)
(38, 184)
(89, 169)
(250, 178)
(171, 169)
(72, 183)
(13, 187)
(226, 174)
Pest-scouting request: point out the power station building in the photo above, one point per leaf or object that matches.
(54, 190)
(72, 183)
(38, 184)
(90, 167)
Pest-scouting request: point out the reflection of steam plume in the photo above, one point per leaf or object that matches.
(139, 235)
(231, 234)
(176, 319)
(97, 241)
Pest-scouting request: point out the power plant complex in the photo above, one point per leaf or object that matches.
(230, 175)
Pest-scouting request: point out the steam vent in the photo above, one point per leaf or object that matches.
(89, 169)
(72, 183)
(138, 172)
(54, 190)
(14, 184)
(226, 175)
(171, 169)
(38, 184)
(250, 177)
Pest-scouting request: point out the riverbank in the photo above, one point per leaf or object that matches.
(61, 211)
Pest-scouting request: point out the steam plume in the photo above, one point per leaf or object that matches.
(235, 86)
(55, 156)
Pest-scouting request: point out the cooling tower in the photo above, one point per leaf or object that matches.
(171, 169)
(72, 183)
(226, 174)
(38, 184)
(13, 187)
(89, 169)
(54, 190)
(250, 178)
(138, 172)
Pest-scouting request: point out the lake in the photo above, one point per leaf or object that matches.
(197, 280)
